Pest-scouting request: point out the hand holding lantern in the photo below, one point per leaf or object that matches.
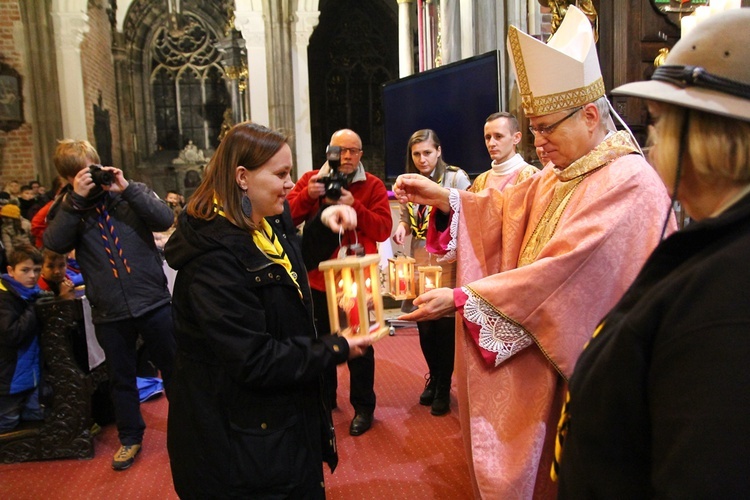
(350, 290)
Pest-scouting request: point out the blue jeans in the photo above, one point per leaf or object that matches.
(22, 406)
(118, 342)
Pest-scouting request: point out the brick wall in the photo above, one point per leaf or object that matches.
(99, 74)
(16, 146)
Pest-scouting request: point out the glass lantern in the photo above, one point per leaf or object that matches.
(401, 277)
(352, 291)
(429, 278)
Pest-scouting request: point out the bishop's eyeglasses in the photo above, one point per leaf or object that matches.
(545, 131)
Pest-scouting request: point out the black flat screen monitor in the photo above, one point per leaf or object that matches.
(453, 100)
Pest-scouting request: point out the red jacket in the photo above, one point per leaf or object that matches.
(374, 222)
(39, 224)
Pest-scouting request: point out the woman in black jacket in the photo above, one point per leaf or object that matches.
(659, 403)
(246, 418)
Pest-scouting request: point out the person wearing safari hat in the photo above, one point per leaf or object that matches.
(544, 259)
(659, 403)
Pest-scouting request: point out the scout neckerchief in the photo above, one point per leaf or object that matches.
(564, 423)
(107, 229)
(268, 243)
(419, 217)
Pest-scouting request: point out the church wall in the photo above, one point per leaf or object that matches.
(16, 146)
(99, 77)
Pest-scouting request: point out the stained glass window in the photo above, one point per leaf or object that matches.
(188, 86)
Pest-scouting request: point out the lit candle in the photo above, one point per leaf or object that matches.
(428, 284)
(401, 283)
(687, 24)
(354, 317)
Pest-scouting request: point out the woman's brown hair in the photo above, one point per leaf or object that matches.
(423, 136)
(247, 145)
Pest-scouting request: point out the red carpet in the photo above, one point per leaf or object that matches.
(408, 453)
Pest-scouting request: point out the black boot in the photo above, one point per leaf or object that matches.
(441, 404)
(428, 395)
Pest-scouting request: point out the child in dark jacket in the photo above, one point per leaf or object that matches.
(54, 276)
(19, 339)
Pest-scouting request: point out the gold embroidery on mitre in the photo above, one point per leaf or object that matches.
(527, 98)
(552, 103)
(515, 46)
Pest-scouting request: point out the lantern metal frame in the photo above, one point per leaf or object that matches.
(401, 285)
(429, 278)
(352, 273)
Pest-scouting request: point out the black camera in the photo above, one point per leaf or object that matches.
(335, 180)
(101, 177)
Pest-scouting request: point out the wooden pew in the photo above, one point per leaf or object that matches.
(66, 430)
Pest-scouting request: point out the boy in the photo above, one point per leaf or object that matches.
(54, 275)
(109, 222)
(19, 339)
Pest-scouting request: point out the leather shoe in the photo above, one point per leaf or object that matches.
(441, 404)
(360, 424)
(425, 399)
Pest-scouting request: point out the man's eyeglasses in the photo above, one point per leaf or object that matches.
(545, 131)
(351, 151)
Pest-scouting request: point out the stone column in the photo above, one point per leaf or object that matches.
(232, 48)
(450, 32)
(249, 21)
(125, 103)
(405, 45)
(428, 37)
(278, 17)
(306, 19)
(70, 24)
(44, 106)
(466, 9)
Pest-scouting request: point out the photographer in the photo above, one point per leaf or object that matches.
(367, 195)
(109, 222)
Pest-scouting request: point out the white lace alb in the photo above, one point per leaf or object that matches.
(496, 334)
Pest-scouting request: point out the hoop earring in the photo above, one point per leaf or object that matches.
(247, 207)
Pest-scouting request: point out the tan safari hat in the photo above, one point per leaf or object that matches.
(708, 70)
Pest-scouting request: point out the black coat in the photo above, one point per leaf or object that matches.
(136, 214)
(660, 399)
(246, 418)
(19, 345)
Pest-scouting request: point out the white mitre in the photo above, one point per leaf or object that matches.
(561, 74)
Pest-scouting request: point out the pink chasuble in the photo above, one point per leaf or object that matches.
(540, 264)
(440, 243)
